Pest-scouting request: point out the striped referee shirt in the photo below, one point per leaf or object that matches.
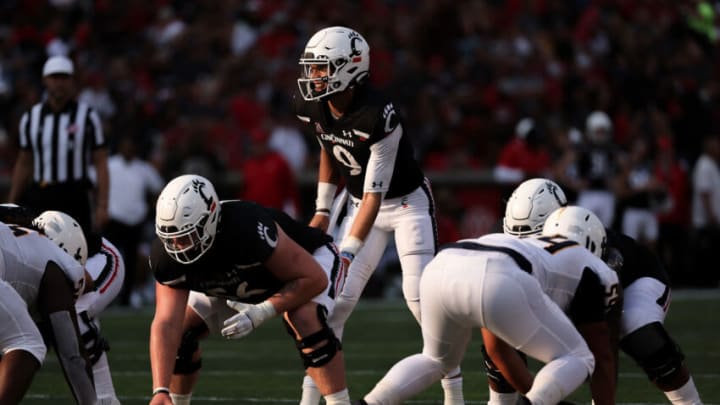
(61, 142)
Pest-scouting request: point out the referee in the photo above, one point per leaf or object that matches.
(60, 140)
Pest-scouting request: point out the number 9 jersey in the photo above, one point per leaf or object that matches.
(351, 139)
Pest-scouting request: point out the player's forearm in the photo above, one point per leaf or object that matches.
(164, 343)
(297, 292)
(604, 377)
(365, 219)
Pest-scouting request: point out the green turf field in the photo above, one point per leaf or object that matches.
(264, 368)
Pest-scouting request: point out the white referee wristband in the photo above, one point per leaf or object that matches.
(325, 196)
(161, 390)
(351, 244)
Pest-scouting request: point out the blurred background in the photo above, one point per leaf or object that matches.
(609, 96)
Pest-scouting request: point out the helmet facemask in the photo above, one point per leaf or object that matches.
(187, 217)
(188, 244)
(339, 52)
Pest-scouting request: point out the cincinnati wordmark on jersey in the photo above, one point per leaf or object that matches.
(348, 140)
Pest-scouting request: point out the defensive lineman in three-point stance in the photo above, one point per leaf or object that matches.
(646, 296)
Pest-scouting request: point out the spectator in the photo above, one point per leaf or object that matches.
(60, 139)
(524, 156)
(706, 212)
(133, 183)
(673, 237)
(267, 178)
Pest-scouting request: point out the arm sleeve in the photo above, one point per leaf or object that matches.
(381, 163)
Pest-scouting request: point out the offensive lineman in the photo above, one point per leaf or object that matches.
(646, 297)
(515, 290)
(363, 142)
(261, 261)
(39, 280)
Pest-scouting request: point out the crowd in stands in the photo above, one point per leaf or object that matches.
(200, 84)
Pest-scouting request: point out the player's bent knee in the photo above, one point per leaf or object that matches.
(496, 379)
(319, 348)
(655, 351)
(189, 345)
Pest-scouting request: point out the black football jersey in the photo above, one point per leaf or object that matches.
(597, 164)
(369, 119)
(234, 266)
(632, 260)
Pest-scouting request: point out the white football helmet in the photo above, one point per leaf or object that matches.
(530, 204)
(343, 53)
(65, 231)
(187, 215)
(578, 224)
(598, 127)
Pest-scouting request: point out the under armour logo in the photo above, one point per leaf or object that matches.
(377, 184)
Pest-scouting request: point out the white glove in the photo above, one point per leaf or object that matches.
(247, 319)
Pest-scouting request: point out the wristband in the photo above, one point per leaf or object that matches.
(325, 196)
(161, 390)
(351, 245)
(323, 212)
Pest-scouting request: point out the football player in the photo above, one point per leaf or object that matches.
(243, 267)
(363, 143)
(517, 292)
(39, 278)
(105, 272)
(646, 292)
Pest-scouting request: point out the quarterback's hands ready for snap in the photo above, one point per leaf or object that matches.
(248, 318)
(348, 249)
(346, 258)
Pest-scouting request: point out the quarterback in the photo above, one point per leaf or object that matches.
(364, 145)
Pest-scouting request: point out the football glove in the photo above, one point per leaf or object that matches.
(346, 258)
(247, 319)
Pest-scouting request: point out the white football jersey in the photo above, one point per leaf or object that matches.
(580, 283)
(25, 254)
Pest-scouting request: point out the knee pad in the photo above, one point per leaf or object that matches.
(318, 356)
(94, 343)
(495, 378)
(655, 351)
(189, 344)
